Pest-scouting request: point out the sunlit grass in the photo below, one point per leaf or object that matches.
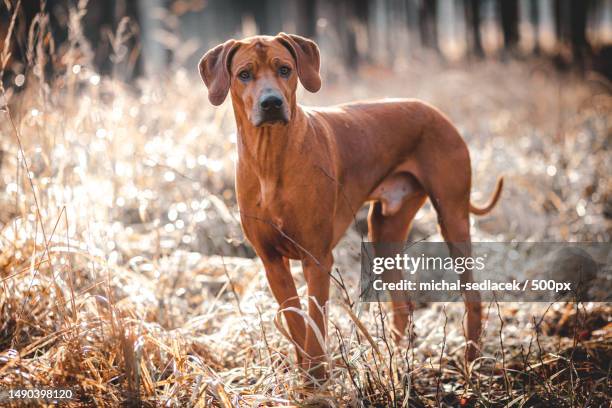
(125, 274)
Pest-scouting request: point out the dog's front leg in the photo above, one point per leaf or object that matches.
(283, 288)
(317, 275)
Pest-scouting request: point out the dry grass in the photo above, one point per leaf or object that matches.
(125, 275)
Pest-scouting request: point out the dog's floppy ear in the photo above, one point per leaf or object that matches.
(307, 59)
(214, 70)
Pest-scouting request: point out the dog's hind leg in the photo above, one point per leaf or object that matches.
(394, 228)
(454, 220)
(448, 184)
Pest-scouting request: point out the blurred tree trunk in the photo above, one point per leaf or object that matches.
(269, 15)
(509, 15)
(97, 23)
(534, 16)
(601, 57)
(361, 12)
(561, 11)
(306, 20)
(154, 56)
(258, 9)
(570, 27)
(472, 21)
(427, 23)
(348, 15)
(580, 45)
(130, 65)
(412, 14)
(412, 22)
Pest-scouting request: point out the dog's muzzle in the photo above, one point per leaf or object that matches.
(271, 109)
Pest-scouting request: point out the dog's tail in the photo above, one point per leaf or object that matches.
(489, 206)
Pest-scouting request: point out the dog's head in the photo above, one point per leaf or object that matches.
(262, 73)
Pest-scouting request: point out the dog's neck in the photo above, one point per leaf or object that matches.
(264, 148)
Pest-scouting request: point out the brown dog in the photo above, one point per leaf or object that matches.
(303, 172)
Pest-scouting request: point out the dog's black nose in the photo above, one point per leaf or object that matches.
(271, 102)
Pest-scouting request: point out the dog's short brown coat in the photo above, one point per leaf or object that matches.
(299, 181)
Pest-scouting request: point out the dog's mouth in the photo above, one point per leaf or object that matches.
(271, 121)
(280, 122)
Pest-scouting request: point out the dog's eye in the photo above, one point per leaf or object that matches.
(244, 75)
(284, 71)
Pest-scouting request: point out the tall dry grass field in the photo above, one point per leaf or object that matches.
(125, 275)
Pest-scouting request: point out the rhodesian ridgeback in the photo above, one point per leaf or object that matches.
(303, 172)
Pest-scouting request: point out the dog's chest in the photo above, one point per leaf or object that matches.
(281, 204)
(280, 213)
